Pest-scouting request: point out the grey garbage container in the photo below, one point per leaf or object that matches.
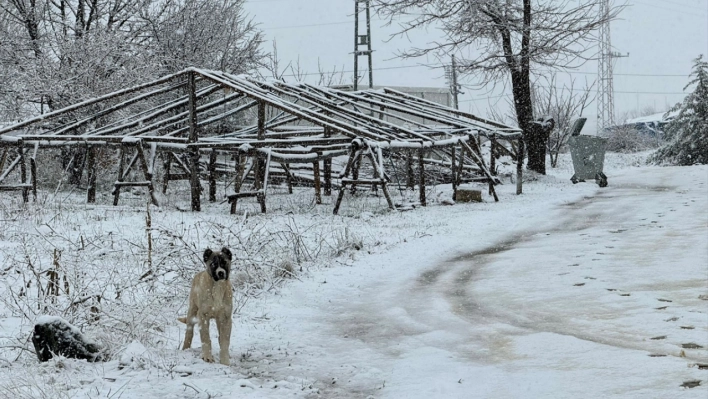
(588, 154)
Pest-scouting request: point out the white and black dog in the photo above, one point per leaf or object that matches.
(211, 297)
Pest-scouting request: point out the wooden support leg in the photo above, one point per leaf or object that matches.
(261, 200)
(410, 181)
(339, 199)
(258, 184)
(316, 172)
(520, 167)
(23, 172)
(288, 177)
(194, 184)
(238, 179)
(421, 171)
(379, 172)
(3, 158)
(212, 176)
(328, 177)
(374, 187)
(33, 170)
(355, 170)
(453, 170)
(121, 165)
(167, 163)
(146, 172)
(91, 189)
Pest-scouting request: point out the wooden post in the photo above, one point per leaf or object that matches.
(410, 181)
(23, 171)
(147, 173)
(212, 176)
(239, 165)
(327, 169)
(193, 138)
(355, 169)
(289, 177)
(421, 170)
(2, 159)
(33, 170)
(316, 172)
(91, 189)
(166, 166)
(352, 155)
(121, 165)
(261, 120)
(452, 168)
(492, 160)
(520, 166)
(382, 176)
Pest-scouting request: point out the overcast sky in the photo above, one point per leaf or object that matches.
(662, 38)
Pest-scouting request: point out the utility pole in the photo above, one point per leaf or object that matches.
(451, 78)
(605, 88)
(362, 40)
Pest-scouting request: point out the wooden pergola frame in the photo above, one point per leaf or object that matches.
(295, 124)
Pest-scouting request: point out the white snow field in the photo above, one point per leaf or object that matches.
(567, 291)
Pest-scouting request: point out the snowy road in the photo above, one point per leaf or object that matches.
(597, 298)
(568, 291)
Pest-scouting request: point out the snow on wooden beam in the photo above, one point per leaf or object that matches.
(428, 103)
(89, 102)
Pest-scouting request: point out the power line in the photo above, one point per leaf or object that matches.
(310, 25)
(616, 91)
(695, 14)
(438, 65)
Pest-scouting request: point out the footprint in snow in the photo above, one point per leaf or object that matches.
(691, 345)
(691, 384)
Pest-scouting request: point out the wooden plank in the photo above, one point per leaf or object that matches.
(245, 194)
(363, 181)
(15, 187)
(133, 184)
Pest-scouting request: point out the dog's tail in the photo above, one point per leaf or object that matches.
(182, 320)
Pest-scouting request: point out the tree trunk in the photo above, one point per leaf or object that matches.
(520, 69)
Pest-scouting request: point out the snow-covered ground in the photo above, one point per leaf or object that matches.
(567, 291)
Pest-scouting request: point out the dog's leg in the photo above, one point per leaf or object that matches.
(223, 324)
(189, 334)
(206, 340)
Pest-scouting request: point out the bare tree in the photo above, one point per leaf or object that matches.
(562, 103)
(58, 52)
(212, 34)
(510, 39)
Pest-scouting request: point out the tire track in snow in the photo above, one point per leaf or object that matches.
(455, 279)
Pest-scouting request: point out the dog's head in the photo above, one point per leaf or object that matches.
(218, 263)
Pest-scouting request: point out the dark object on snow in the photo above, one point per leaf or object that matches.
(588, 154)
(52, 335)
(468, 195)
